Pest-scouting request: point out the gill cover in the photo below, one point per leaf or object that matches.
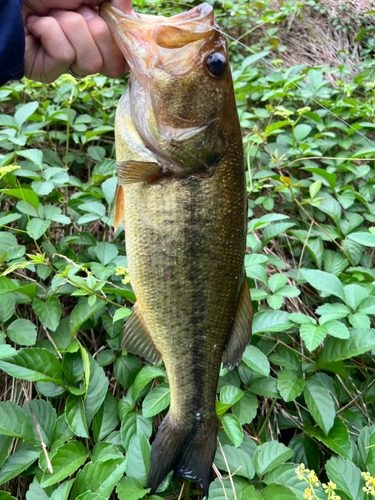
(177, 105)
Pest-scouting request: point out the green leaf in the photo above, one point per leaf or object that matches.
(7, 307)
(7, 219)
(230, 394)
(99, 477)
(246, 408)
(238, 461)
(277, 281)
(240, 484)
(290, 385)
(105, 451)
(45, 415)
(62, 492)
(332, 208)
(354, 294)
(278, 491)
(106, 252)
(334, 262)
(83, 311)
(330, 179)
(360, 341)
(264, 387)
(256, 360)
(347, 477)
(233, 429)
(337, 439)
(14, 422)
(270, 455)
(320, 404)
(134, 424)
(34, 365)
(286, 358)
(365, 239)
(337, 329)
(18, 462)
(69, 457)
(21, 115)
(126, 369)
(106, 419)
(130, 489)
(49, 312)
(301, 132)
(97, 390)
(271, 232)
(121, 313)
(157, 400)
(139, 459)
(312, 335)
(332, 312)
(271, 321)
(22, 332)
(324, 282)
(75, 416)
(145, 376)
(37, 227)
(23, 194)
(275, 301)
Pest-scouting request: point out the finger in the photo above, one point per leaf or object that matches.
(88, 56)
(48, 51)
(125, 6)
(114, 64)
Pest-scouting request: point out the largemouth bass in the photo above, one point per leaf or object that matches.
(182, 197)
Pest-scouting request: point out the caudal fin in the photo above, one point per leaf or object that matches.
(189, 453)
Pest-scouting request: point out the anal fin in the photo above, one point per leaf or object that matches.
(240, 335)
(133, 171)
(137, 338)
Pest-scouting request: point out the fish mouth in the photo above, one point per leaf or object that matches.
(147, 41)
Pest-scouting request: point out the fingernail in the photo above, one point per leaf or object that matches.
(31, 19)
(87, 13)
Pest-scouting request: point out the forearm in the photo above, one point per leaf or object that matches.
(12, 41)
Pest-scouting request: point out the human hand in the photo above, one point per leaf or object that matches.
(63, 34)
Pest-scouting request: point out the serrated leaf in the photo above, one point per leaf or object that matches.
(237, 460)
(7, 307)
(106, 419)
(14, 422)
(320, 404)
(145, 376)
(139, 459)
(337, 329)
(18, 462)
(324, 282)
(121, 313)
(271, 321)
(126, 369)
(365, 239)
(69, 457)
(233, 429)
(337, 439)
(264, 387)
(34, 365)
(230, 394)
(256, 360)
(96, 391)
(270, 455)
(22, 332)
(129, 488)
(246, 408)
(290, 385)
(37, 227)
(278, 491)
(83, 311)
(347, 477)
(45, 415)
(312, 335)
(360, 341)
(156, 400)
(75, 416)
(286, 358)
(134, 424)
(240, 484)
(49, 312)
(99, 477)
(106, 252)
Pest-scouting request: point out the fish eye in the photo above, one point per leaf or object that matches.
(216, 64)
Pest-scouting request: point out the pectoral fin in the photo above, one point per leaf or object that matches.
(118, 207)
(137, 338)
(130, 172)
(240, 334)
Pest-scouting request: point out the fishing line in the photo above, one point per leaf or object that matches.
(292, 83)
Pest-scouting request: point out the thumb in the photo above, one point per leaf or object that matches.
(125, 6)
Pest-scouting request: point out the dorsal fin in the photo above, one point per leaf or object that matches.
(137, 338)
(240, 334)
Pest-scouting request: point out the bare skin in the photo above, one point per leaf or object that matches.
(63, 34)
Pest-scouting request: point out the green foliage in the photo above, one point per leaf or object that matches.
(305, 390)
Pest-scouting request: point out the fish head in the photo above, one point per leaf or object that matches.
(181, 91)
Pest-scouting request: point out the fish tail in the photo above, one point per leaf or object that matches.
(189, 452)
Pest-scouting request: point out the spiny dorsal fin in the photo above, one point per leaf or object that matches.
(137, 338)
(130, 172)
(118, 207)
(240, 334)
